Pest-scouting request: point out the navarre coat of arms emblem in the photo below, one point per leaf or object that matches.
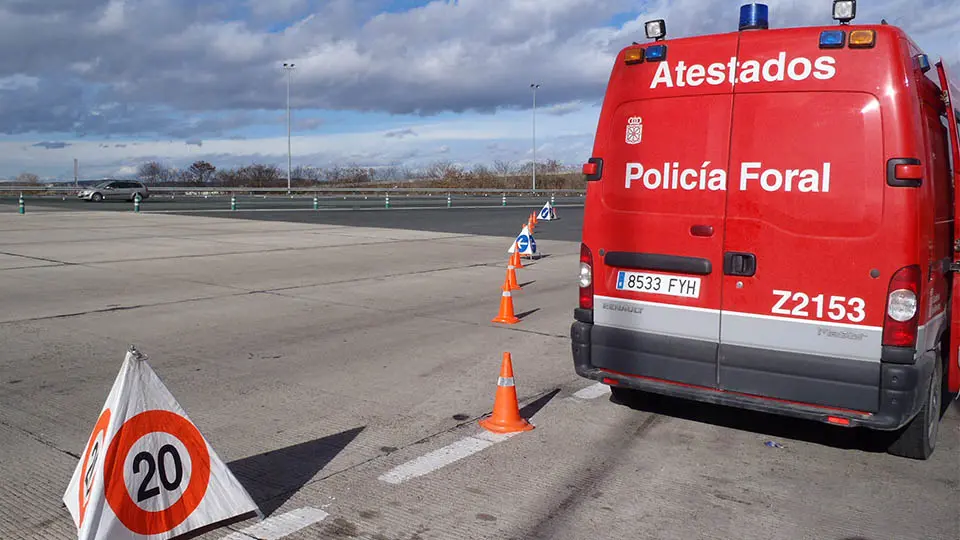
(634, 130)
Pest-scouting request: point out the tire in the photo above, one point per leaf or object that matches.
(96, 197)
(919, 438)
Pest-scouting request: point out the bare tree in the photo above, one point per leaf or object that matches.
(307, 173)
(227, 178)
(156, 172)
(444, 170)
(482, 172)
(550, 166)
(334, 174)
(201, 171)
(28, 179)
(259, 175)
(502, 167)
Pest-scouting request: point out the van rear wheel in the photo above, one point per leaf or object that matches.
(919, 438)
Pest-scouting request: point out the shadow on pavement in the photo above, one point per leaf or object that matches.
(778, 428)
(273, 477)
(532, 408)
(526, 314)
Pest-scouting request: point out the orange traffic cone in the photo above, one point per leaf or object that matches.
(506, 410)
(510, 283)
(506, 315)
(515, 257)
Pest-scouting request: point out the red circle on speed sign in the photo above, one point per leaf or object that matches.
(94, 449)
(128, 512)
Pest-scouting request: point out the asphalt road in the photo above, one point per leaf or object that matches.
(193, 203)
(340, 372)
(474, 215)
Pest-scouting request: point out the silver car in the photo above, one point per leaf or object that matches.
(125, 190)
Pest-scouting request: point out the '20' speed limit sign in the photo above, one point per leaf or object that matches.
(158, 470)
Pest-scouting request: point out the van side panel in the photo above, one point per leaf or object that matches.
(935, 210)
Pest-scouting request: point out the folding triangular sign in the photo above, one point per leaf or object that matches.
(546, 213)
(528, 246)
(146, 471)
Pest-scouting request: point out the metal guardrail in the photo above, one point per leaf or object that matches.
(304, 190)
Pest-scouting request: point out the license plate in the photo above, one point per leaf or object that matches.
(682, 286)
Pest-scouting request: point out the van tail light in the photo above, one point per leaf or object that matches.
(586, 277)
(903, 308)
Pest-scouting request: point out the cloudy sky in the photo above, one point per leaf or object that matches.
(115, 83)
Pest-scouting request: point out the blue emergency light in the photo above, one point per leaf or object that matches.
(656, 53)
(754, 17)
(832, 39)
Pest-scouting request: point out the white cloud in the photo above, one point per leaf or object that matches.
(131, 68)
(18, 81)
(461, 139)
(112, 20)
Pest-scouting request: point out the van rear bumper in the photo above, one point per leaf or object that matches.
(887, 394)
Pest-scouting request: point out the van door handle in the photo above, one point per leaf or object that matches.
(739, 264)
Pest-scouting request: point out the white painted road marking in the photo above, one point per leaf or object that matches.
(593, 391)
(428, 463)
(276, 527)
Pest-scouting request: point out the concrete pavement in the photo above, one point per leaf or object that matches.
(317, 358)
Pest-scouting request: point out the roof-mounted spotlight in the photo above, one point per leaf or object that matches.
(656, 30)
(844, 10)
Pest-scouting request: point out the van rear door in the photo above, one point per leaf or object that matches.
(660, 264)
(804, 283)
(953, 128)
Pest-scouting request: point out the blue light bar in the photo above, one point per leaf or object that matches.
(656, 53)
(833, 39)
(754, 17)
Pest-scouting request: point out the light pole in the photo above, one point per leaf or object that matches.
(288, 67)
(534, 86)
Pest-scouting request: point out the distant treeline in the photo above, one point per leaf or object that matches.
(551, 174)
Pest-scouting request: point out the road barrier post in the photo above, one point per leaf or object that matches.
(386, 202)
(22, 208)
(553, 199)
(316, 203)
(449, 202)
(503, 200)
(233, 202)
(136, 203)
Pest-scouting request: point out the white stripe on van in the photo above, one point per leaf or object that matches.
(784, 334)
(804, 337)
(655, 318)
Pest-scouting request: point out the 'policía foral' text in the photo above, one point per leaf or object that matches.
(753, 175)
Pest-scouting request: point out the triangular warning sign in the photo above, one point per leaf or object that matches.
(525, 241)
(547, 213)
(146, 470)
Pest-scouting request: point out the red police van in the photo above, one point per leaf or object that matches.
(769, 224)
